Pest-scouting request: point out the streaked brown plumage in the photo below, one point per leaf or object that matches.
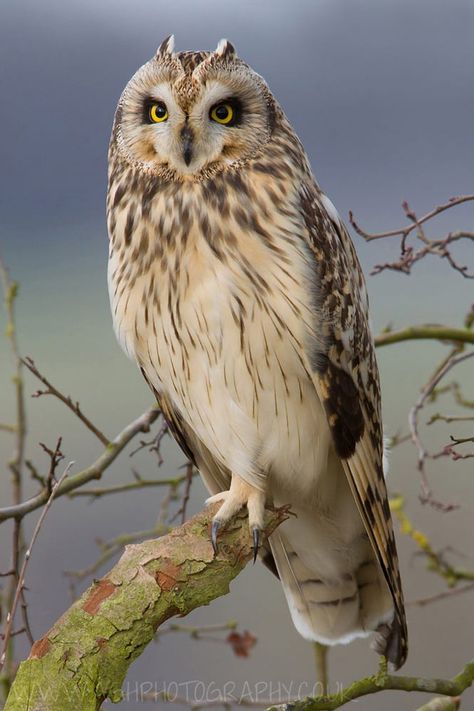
(236, 288)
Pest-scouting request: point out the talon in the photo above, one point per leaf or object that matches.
(256, 542)
(214, 530)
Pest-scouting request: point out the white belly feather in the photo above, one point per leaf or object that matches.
(235, 373)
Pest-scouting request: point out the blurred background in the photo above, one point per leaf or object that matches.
(381, 95)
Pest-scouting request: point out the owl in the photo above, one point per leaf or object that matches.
(235, 287)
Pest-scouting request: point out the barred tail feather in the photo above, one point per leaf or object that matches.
(334, 610)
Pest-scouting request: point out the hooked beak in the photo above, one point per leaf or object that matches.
(187, 138)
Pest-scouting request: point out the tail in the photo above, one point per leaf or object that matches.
(334, 606)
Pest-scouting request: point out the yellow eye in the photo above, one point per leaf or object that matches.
(158, 112)
(223, 114)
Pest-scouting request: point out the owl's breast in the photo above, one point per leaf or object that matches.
(218, 318)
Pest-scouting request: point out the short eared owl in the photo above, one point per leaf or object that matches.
(235, 287)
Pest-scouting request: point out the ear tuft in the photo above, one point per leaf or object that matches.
(166, 47)
(225, 50)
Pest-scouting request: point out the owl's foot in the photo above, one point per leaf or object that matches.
(240, 494)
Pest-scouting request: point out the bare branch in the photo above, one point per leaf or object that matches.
(409, 255)
(139, 483)
(449, 364)
(10, 292)
(379, 682)
(405, 231)
(425, 332)
(94, 471)
(55, 455)
(7, 428)
(436, 561)
(423, 601)
(203, 632)
(16, 463)
(154, 445)
(190, 472)
(66, 399)
(151, 583)
(437, 417)
(455, 456)
(22, 574)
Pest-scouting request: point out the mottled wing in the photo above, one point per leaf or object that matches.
(347, 382)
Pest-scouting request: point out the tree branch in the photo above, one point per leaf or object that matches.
(450, 363)
(409, 254)
(66, 399)
(17, 461)
(21, 577)
(94, 471)
(384, 682)
(436, 561)
(426, 332)
(84, 657)
(415, 222)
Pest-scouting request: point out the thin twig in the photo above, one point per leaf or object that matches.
(201, 632)
(438, 417)
(26, 559)
(66, 399)
(455, 389)
(55, 455)
(383, 681)
(449, 364)
(7, 428)
(455, 456)
(190, 472)
(436, 560)
(403, 231)
(422, 601)
(94, 471)
(139, 483)
(409, 255)
(153, 445)
(10, 292)
(16, 463)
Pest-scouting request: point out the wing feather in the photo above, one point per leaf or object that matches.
(346, 378)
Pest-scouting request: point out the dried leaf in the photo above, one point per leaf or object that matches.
(241, 643)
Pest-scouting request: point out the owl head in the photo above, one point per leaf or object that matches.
(188, 115)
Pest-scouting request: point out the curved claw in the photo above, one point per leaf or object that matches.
(256, 542)
(214, 531)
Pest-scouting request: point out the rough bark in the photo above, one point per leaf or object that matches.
(84, 657)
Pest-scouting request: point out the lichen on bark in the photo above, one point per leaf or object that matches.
(83, 659)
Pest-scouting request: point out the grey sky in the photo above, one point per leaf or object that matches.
(380, 93)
